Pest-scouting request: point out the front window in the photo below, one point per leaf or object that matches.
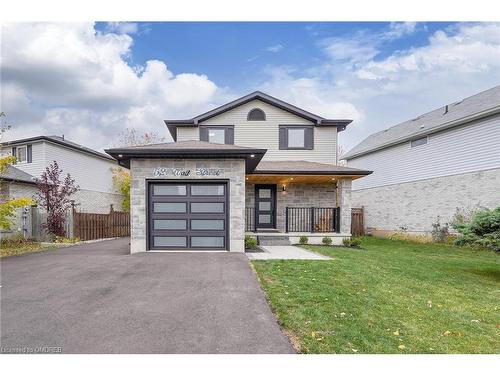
(22, 155)
(296, 138)
(217, 135)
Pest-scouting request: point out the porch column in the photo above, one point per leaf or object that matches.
(344, 194)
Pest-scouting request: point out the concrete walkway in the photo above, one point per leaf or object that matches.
(286, 252)
(96, 298)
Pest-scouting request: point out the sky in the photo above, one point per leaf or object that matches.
(90, 81)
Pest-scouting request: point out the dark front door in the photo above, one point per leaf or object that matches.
(265, 206)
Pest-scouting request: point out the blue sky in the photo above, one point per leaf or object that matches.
(90, 81)
(234, 54)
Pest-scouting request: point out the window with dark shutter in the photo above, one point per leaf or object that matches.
(256, 114)
(292, 137)
(223, 134)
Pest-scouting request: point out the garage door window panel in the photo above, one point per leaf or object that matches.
(209, 241)
(170, 241)
(170, 224)
(169, 207)
(175, 190)
(207, 207)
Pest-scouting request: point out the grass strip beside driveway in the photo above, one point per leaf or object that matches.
(390, 297)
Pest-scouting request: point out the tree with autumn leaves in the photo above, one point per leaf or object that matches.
(8, 207)
(54, 193)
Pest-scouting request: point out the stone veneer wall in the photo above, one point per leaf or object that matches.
(231, 169)
(417, 204)
(308, 195)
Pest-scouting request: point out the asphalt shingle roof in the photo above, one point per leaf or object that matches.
(14, 174)
(309, 167)
(441, 118)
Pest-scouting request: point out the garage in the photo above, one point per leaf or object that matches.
(188, 215)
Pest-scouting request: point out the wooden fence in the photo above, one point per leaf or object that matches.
(357, 222)
(90, 226)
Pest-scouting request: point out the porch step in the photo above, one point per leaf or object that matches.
(273, 240)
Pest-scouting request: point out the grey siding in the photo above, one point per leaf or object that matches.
(265, 134)
(468, 148)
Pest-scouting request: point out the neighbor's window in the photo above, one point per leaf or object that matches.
(223, 134)
(22, 154)
(296, 137)
(256, 114)
(419, 142)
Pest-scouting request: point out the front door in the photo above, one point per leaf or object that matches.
(265, 206)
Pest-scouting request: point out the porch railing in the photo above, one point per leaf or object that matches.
(312, 219)
(249, 219)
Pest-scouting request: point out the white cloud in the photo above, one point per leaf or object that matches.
(68, 78)
(378, 93)
(123, 27)
(274, 49)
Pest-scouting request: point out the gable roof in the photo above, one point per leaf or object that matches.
(11, 173)
(256, 95)
(61, 141)
(187, 150)
(485, 103)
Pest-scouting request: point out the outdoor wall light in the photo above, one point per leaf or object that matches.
(252, 155)
(283, 188)
(120, 155)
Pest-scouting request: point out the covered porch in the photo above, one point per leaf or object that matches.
(291, 199)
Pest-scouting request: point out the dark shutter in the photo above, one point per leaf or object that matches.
(229, 136)
(203, 134)
(309, 138)
(29, 153)
(283, 138)
(14, 152)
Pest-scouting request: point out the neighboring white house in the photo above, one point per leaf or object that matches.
(256, 165)
(429, 166)
(90, 169)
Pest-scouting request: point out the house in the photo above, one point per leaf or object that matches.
(90, 169)
(431, 165)
(256, 165)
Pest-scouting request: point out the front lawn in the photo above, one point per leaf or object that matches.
(390, 297)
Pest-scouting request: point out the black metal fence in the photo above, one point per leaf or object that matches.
(249, 219)
(312, 219)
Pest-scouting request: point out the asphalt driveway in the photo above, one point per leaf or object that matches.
(95, 298)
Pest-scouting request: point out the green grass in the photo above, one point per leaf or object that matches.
(390, 297)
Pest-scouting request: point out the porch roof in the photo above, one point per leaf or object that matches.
(301, 171)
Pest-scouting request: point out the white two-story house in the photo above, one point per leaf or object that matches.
(430, 166)
(92, 171)
(256, 165)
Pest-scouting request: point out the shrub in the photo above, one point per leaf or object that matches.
(303, 240)
(439, 232)
(326, 241)
(355, 242)
(483, 230)
(250, 242)
(16, 240)
(351, 242)
(59, 239)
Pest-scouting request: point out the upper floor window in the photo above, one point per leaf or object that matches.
(419, 142)
(292, 137)
(256, 114)
(217, 134)
(22, 154)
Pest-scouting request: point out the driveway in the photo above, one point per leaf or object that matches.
(95, 298)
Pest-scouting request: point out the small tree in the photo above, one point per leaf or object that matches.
(54, 195)
(129, 137)
(121, 179)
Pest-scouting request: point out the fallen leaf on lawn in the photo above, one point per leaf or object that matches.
(342, 314)
(287, 293)
(313, 334)
(401, 347)
(431, 349)
(308, 322)
(498, 325)
(475, 321)
(396, 333)
(319, 339)
(446, 333)
(355, 350)
(440, 305)
(429, 303)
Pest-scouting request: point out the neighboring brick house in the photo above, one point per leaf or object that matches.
(256, 165)
(90, 169)
(429, 166)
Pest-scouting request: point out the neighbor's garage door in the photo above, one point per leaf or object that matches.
(188, 216)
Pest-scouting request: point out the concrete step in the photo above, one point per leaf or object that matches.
(273, 240)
